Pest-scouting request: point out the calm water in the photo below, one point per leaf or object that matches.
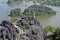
(52, 20)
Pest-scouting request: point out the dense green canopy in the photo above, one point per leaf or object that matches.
(49, 2)
(39, 10)
(55, 32)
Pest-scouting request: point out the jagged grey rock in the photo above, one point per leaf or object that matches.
(9, 31)
(35, 31)
(32, 28)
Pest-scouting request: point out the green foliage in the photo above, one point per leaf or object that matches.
(13, 18)
(39, 11)
(54, 30)
(28, 0)
(53, 2)
(50, 29)
(27, 27)
(1, 39)
(13, 2)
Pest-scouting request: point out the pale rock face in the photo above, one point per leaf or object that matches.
(35, 31)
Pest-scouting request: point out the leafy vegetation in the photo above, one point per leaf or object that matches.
(14, 1)
(54, 32)
(38, 10)
(49, 2)
(15, 14)
(14, 18)
(50, 29)
(53, 2)
(1, 39)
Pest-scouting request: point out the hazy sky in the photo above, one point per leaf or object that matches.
(3, 0)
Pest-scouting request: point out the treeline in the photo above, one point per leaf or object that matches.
(32, 11)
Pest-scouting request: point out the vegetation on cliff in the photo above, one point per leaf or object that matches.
(53, 33)
(14, 1)
(38, 11)
(53, 2)
(33, 10)
(26, 28)
(15, 13)
(48, 2)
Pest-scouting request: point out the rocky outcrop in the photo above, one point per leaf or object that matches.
(9, 32)
(27, 28)
(33, 31)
